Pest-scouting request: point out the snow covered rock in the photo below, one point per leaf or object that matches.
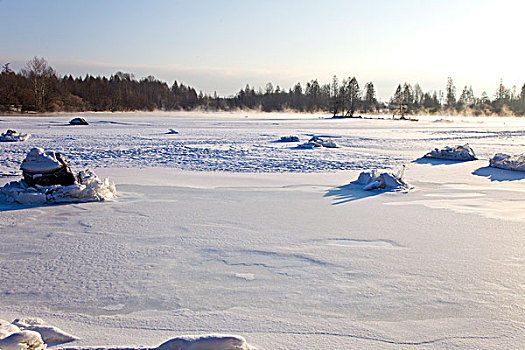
(318, 142)
(46, 169)
(89, 189)
(508, 162)
(460, 153)
(49, 334)
(23, 340)
(6, 329)
(13, 136)
(78, 121)
(372, 180)
(290, 138)
(206, 342)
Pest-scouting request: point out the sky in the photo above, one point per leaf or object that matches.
(223, 45)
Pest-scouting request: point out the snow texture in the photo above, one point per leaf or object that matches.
(373, 180)
(508, 162)
(459, 153)
(206, 342)
(13, 136)
(90, 189)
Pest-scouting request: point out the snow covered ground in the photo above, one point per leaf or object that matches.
(221, 229)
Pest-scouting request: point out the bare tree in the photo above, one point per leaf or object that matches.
(40, 74)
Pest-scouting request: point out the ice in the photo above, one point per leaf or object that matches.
(508, 162)
(90, 189)
(221, 229)
(49, 334)
(203, 342)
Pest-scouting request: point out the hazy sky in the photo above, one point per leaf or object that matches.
(222, 45)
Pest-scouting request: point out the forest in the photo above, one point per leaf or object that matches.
(38, 88)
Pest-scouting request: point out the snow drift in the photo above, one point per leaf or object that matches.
(30, 334)
(508, 162)
(459, 153)
(372, 180)
(206, 342)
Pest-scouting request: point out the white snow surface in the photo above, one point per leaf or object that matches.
(203, 342)
(220, 229)
(508, 162)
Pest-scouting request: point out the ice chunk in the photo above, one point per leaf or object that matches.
(207, 342)
(460, 153)
(23, 340)
(89, 189)
(508, 162)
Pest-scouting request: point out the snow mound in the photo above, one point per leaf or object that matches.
(373, 180)
(508, 162)
(49, 334)
(206, 342)
(13, 136)
(460, 153)
(6, 329)
(23, 340)
(89, 189)
(290, 138)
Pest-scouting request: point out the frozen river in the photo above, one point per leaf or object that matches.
(221, 229)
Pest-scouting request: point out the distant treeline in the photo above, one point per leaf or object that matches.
(37, 88)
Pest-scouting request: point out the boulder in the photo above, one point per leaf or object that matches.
(459, 153)
(46, 169)
(508, 162)
(78, 121)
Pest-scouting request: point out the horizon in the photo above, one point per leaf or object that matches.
(222, 47)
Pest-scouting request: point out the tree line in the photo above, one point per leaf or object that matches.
(37, 87)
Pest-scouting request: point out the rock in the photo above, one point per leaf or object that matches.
(78, 121)
(290, 138)
(46, 169)
(459, 153)
(508, 162)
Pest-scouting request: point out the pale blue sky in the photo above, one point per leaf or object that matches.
(222, 45)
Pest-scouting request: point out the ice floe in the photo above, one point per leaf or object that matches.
(459, 153)
(508, 162)
(318, 142)
(289, 138)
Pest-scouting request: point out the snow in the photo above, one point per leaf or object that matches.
(13, 136)
(212, 341)
(373, 180)
(39, 161)
(508, 162)
(222, 230)
(23, 340)
(459, 153)
(90, 189)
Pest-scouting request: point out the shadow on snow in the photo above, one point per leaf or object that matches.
(349, 193)
(495, 174)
